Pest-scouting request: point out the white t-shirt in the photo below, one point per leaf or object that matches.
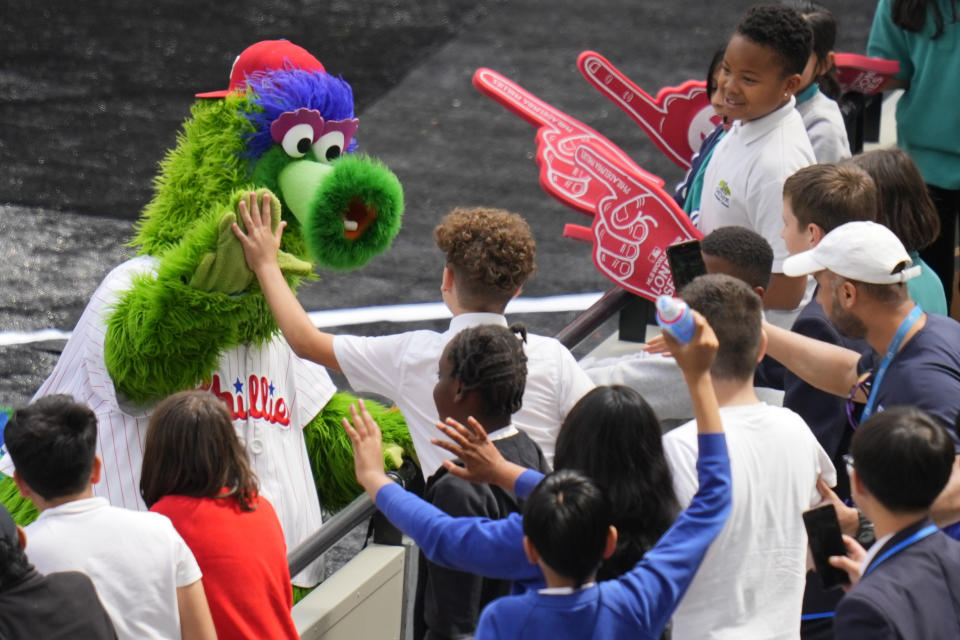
(824, 123)
(743, 182)
(136, 561)
(403, 367)
(751, 582)
(270, 392)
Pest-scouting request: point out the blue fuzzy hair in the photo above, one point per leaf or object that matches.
(288, 90)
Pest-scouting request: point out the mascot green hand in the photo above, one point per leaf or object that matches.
(187, 312)
(221, 271)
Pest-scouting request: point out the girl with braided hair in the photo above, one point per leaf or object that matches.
(482, 375)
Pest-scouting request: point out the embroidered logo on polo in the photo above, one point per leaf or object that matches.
(256, 398)
(722, 193)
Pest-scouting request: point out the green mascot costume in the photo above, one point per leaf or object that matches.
(188, 313)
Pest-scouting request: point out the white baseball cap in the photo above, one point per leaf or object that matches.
(863, 251)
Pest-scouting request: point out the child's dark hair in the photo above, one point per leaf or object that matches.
(911, 15)
(14, 565)
(53, 443)
(567, 518)
(904, 204)
(715, 63)
(613, 436)
(904, 457)
(782, 29)
(191, 449)
(823, 25)
(744, 249)
(489, 359)
(831, 194)
(735, 313)
(491, 253)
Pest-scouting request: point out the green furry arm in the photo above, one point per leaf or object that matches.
(165, 335)
(331, 454)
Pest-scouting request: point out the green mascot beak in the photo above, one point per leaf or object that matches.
(349, 210)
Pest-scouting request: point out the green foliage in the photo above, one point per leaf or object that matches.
(331, 454)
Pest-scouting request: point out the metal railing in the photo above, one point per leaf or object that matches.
(343, 522)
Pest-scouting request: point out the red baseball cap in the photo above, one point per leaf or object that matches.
(263, 56)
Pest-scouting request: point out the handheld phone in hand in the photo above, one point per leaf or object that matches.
(686, 263)
(823, 533)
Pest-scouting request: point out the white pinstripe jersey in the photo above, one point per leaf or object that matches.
(270, 392)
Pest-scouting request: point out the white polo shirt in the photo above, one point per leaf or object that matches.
(824, 123)
(270, 392)
(136, 561)
(743, 183)
(404, 366)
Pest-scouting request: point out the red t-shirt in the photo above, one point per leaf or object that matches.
(243, 557)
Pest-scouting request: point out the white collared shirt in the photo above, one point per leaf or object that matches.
(873, 551)
(824, 124)
(136, 560)
(404, 366)
(743, 182)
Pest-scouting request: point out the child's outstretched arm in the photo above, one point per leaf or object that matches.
(658, 582)
(482, 461)
(365, 436)
(695, 359)
(492, 548)
(260, 247)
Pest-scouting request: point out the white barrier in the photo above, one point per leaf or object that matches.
(364, 599)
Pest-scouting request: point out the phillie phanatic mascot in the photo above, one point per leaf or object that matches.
(187, 313)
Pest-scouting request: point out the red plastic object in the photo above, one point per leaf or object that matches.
(634, 223)
(558, 136)
(677, 120)
(862, 74)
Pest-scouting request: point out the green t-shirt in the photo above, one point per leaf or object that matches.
(927, 289)
(928, 115)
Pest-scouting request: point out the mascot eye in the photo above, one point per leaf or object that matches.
(329, 146)
(297, 140)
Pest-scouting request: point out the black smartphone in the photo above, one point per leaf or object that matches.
(823, 534)
(686, 263)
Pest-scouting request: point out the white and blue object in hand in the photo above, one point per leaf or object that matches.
(675, 317)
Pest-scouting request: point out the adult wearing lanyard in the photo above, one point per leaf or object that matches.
(908, 584)
(862, 269)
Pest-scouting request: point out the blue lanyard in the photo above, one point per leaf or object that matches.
(902, 330)
(919, 535)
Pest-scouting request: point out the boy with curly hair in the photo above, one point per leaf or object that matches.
(489, 255)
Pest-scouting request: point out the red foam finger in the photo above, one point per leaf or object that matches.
(635, 222)
(677, 120)
(557, 137)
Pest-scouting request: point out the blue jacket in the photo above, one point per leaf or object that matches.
(636, 605)
(914, 593)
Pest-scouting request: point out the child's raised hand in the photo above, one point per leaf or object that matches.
(364, 433)
(657, 346)
(261, 242)
(695, 357)
(482, 461)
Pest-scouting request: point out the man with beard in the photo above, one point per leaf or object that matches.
(861, 269)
